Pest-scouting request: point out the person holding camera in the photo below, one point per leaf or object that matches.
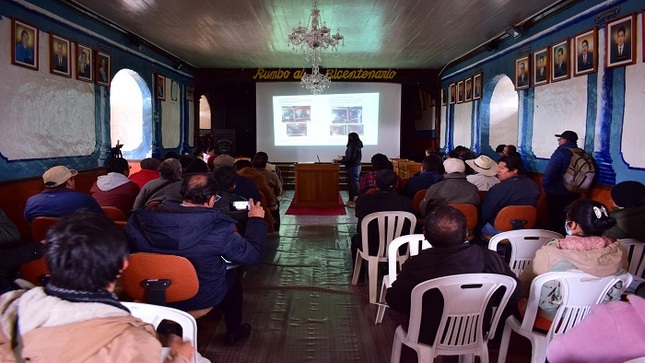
(205, 236)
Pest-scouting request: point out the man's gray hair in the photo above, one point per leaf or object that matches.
(170, 169)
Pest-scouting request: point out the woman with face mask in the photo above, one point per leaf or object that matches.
(584, 248)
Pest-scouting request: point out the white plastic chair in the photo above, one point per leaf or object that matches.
(579, 291)
(461, 329)
(395, 260)
(390, 226)
(636, 260)
(524, 243)
(155, 314)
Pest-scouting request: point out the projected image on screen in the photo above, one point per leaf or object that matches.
(294, 125)
(325, 119)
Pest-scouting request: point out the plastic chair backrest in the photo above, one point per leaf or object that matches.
(466, 297)
(114, 213)
(413, 242)
(155, 314)
(636, 256)
(579, 291)
(390, 226)
(416, 200)
(470, 211)
(145, 266)
(524, 243)
(510, 213)
(40, 226)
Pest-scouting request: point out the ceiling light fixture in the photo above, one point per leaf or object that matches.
(315, 82)
(513, 31)
(315, 41)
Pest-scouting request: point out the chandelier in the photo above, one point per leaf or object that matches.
(315, 82)
(315, 41)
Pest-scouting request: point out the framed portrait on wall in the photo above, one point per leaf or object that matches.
(468, 89)
(443, 97)
(103, 68)
(452, 94)
(477, 86)
(560, 58)
(60, 56)
(160, 87)
(174, 90)
(585, 52)
(190, 94)
(621, 42)
(522, 74)
(24, 44)
(84, 61)
(460, 91)
(541, 67)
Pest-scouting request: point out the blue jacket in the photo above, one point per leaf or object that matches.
(555, 169)
(518, 190)
(58, 202)
(423, 180)
(203, 235)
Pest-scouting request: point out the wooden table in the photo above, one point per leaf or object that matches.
(316, 185)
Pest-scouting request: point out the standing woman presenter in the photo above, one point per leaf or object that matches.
(352, 162)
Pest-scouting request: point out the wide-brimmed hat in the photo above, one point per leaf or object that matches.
(58, 175)
(483, 165)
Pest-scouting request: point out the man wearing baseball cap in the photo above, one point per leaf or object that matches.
(557, 195)
(59, 197)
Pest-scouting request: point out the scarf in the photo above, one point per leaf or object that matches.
(584, 243)
(101, 296)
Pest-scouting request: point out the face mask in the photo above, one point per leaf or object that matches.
(567, 229)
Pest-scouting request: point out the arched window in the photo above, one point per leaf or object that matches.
(504, 113)
(131, 115)
(204, 114)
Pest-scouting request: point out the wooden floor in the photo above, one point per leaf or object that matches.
(302, 307)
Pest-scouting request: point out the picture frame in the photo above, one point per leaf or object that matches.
(24, 44)
(460, 91)
(452, 93)
(560, 61)
(84, 62)
(522, 73)
(190, 91)
(174, 90)
(477, 86)
(585, 52)
(621, 42)
(468, 89)
(60, 56)
(103, 69)
(541, 67)
(160, 87)
(443, 97)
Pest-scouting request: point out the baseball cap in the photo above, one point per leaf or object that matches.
(483, 165)
(58, 175)
(569, 135)
(454, 165)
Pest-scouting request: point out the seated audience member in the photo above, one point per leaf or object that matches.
(500, 150)
(385, 199)
(629, 211)
(225, 178)
(430, 151)
(271, 167)
(584, 249)
(367, 182)
(193, 164)
(245, 169)
(454, 188)
(464, 153)
(510, 150)
(165, 187)
(78, 309)
(13, 253)
(431, 171)
(147, 173)
(115, 189)
(485, 170)
(205, 236)
(610, 333)
(445, 229)
(515, 188)
(59, 197)
(244, 187)
(273, 181)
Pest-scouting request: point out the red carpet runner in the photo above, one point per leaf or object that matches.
(338, 211)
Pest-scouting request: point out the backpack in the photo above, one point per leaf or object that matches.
(580, 172)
